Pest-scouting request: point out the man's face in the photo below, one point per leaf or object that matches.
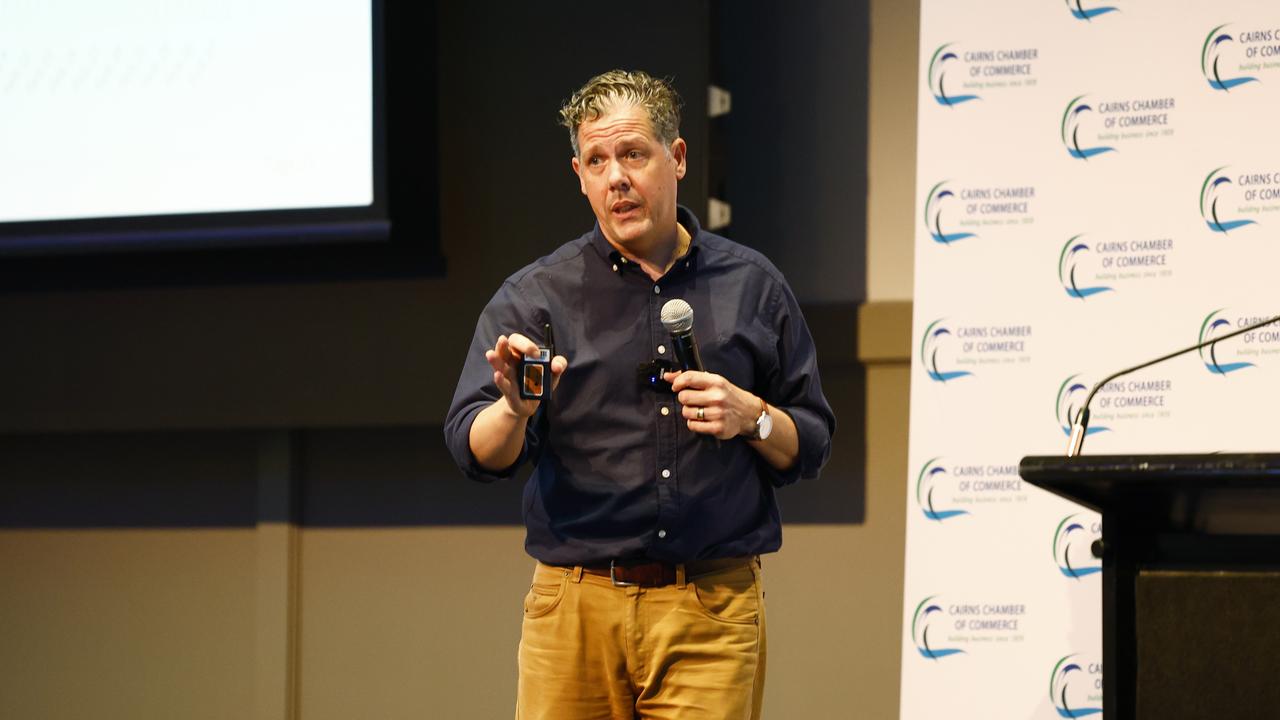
(629, 177)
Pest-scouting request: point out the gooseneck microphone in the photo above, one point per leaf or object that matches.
(1081, 426)
(677, 318)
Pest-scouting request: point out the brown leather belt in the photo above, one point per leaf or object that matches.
(658, 574)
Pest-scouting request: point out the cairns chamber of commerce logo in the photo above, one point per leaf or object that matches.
(1080, 12)
(1071, 396)
(930, 476)
(941, 61)
(1071, 259)
(1211, 191)
(1215, 44)
(926, 612)
(1073, 704)
(933, 215)
(1072, 118)
(1214, 324)
(931, 345)
(1073, 548)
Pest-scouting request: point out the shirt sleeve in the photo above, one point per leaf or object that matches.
(796, 389)
(506, 313)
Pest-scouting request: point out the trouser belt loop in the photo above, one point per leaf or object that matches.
(576, 574)
(680, 576)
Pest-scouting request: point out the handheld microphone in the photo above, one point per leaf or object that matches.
(1081, 426)
(677, 318)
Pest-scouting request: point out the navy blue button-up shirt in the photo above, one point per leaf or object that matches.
(618, 473)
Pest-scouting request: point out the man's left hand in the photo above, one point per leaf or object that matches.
(714, 406)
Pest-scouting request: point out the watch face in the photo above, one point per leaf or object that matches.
(764, 425)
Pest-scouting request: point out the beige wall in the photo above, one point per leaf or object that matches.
(272, 622)
(126, 624)
(884, 323)
(891, 154)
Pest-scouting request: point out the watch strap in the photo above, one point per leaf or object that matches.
(764, 411)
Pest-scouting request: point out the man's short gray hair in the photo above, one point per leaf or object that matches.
(633, 87)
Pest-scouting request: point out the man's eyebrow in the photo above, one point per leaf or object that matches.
(629, 136)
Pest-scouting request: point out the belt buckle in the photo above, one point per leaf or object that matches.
(613, 577)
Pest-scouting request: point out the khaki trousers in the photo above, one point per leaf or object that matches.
(694, 650)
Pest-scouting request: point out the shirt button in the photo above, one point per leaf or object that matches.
(615, 267)
(666, 473)
(657, 290)
(662, 349)
(662, 533)
(665, 410)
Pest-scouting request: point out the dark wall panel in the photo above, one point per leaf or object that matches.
(396, 476)
(171, 479)
(793, 159)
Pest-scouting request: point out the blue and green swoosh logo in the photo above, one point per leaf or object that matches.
(1070, 130)
(930, 475)
(1068, 262)
(1080, 12)
(933, 205)
(1213, 324)
(934, 337)
(1210, 57)
(920, 630)
(1059, 681)
(942, 59)
(1210, 193)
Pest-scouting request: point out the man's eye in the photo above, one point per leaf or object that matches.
(594, 160)
(634, 155)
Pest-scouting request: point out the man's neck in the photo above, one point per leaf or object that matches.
(662, 255)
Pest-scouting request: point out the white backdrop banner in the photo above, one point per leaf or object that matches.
(1098, 183)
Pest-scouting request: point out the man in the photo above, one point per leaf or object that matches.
(649, 505)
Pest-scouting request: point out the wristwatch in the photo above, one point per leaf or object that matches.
(764, 423)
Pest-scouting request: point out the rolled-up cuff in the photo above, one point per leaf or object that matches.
(814, 439)
(458, 439)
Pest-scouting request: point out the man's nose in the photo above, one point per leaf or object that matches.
(618, 179)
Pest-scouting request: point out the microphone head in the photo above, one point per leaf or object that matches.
(677, 317)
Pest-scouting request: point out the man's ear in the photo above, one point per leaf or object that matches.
(577, 170)
(679, 152)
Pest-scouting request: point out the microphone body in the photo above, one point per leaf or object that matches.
(1078, 430)
(685, 348)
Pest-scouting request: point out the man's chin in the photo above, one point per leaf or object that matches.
(629, 230)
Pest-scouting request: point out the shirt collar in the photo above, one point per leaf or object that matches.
(610, 255)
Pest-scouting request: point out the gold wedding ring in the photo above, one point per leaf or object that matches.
(700, 413)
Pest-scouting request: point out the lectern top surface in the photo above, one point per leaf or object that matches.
(1197, 465)
(1101, 480)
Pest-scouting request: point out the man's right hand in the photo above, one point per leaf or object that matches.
(505, 358)
(497, 434)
